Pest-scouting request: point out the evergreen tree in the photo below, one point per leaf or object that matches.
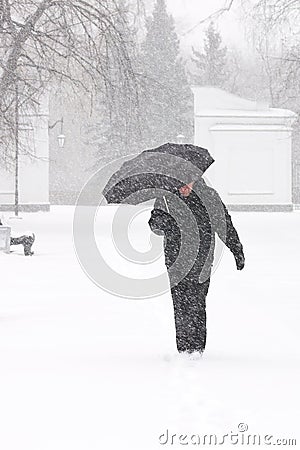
(166, 98)
(211, 65)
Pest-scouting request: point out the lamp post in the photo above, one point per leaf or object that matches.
(61, 137)
(17, 150)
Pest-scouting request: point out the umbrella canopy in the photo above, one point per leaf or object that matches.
(163, 168)
(198, 156)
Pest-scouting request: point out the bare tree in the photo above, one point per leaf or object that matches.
(275, 34)
(65, 40)
(281, 10)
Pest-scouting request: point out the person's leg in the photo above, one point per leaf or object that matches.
(201, 290)
(189, 300)
(16, 241)
(180, 315)
(26, 241)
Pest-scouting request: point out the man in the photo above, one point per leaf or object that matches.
(193, 207)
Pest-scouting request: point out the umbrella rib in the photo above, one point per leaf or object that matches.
(166, 203)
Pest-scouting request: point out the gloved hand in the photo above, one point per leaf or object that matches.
(160, 222)
(240, 261)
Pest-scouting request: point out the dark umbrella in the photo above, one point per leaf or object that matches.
(163, 168)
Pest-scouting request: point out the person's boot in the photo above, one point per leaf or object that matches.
(27, 243)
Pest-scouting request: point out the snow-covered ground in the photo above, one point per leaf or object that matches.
(81, 369)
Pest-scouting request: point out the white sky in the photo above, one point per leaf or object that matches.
(189, 12)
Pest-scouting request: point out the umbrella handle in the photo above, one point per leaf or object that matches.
(166, 203)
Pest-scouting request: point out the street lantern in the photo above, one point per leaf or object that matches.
(61, 140)
(180, 139)
(61, 137)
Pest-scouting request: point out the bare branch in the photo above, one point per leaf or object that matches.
(215, 15)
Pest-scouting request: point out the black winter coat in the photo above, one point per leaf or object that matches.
(188, 225)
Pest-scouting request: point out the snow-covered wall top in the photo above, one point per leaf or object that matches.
(209, 99)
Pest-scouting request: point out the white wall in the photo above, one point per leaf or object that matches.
(251, 144)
